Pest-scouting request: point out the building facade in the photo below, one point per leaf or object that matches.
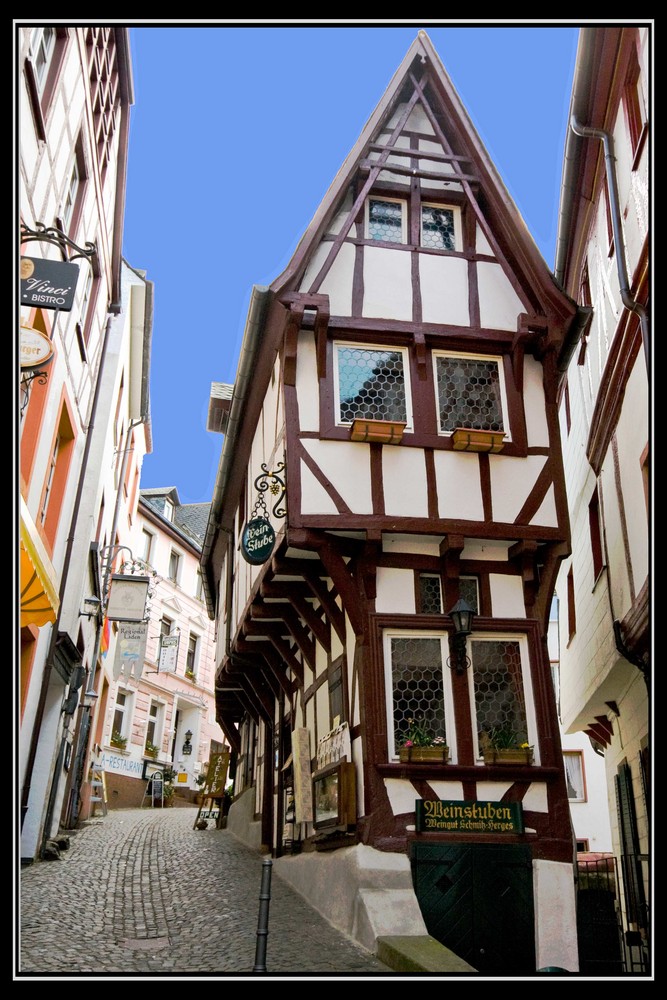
(604, 584)
(387, 526)
(158, 710)
(85, 320)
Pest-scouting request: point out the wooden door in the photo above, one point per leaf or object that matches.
(477, 900)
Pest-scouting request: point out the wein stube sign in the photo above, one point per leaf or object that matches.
(257, 541)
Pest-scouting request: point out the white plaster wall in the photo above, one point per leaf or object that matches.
(444, 289)
(314, 498)
(459, 486)
(347, 467)
(506, 596)
(533, 403)
(404, 481)
(395, 591)
(338, 282)
(482, 245)
(632, 435)
(512, 479)
(425, 545)
(590, 819)
(499, 305)
(546, 513)
(387, 284)
(555, 916)
(307, 385)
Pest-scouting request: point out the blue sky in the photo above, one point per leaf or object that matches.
(236, 134)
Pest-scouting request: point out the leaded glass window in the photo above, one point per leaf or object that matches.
(499, 697)
(386, 221)
(430, 594)
(469, 393)
(420, 687)
(468, 592)
(371, 384)
(438, 228)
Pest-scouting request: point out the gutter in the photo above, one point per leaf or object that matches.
(260, 299)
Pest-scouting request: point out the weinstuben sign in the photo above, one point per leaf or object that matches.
(48, 284)
(445, 816)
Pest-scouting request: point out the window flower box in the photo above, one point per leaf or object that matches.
(513, 755)
(424, 755)
(467, 439)
(379, 431)
(118, 741)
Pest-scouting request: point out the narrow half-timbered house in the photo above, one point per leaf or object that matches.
(391, 457)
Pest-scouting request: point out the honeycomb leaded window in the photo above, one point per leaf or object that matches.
(438, 229)
(468, 591)
(430, 594)
(419, 683)
(386, 220)
(371, 384)
(498, 689)
(470, 393)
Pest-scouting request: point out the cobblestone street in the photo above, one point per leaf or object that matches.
(139, 893)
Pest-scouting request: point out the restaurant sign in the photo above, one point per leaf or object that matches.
(48, 284)
(257, 541)
(445, 816)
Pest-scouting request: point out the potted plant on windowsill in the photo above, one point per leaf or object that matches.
(504, 745)
(190, 674)
(417, 744)
(150, 750)
(117, 740)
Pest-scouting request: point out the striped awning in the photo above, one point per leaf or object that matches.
(39, 593)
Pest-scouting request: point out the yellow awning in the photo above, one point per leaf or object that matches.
(39, 594)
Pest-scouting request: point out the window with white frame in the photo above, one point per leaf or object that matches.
(192, 655)
(146, 550)
(42, 47)
(386, 220)
(371, 383)
(168, 509)
(121, 716)
(574, 775)
(430, 594)
(441, 227)
(418, 685)
(174, 566)
(501, 690)
(71, 192)
(470, 392)
(154, 725)
(199, 591)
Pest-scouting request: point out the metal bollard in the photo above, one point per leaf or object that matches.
(263, 919)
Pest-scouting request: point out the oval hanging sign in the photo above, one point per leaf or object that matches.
(35, 346)
(257, 541)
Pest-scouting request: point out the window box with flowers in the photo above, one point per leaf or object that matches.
(117, 740)
(418, 745)
(150, 750)
(504, 745)
(191, 676)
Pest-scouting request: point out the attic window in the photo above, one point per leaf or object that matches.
(439, 226)
(386, 220)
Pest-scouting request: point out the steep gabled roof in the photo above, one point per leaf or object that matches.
(422, 81)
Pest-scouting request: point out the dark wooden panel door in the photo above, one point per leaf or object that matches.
(478, 900)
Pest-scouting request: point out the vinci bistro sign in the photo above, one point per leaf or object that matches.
(257, 541)
(48, 284)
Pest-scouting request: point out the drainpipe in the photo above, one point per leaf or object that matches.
(612, 185)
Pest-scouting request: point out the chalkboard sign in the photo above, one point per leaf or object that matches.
(157, 789)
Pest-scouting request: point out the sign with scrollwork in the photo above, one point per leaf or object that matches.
(259, 538)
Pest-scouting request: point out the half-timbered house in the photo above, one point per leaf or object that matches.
(391, 457)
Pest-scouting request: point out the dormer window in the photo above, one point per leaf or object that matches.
(168, 509)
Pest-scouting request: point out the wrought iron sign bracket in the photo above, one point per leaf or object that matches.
(276, 488)
(57, 238)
